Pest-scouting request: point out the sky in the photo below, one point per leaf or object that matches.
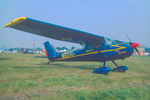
(111, 18)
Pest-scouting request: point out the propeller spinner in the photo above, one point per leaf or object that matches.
(133, 45)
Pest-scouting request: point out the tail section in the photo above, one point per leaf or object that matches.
(51, 51)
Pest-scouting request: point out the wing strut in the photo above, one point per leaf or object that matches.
(115, 63)
(94, 47)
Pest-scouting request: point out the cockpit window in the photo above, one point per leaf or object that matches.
(109, 41)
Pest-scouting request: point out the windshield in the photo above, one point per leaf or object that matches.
(109, 41)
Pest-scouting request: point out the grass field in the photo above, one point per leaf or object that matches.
(24, 77)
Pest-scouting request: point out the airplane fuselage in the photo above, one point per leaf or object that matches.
(111, 52)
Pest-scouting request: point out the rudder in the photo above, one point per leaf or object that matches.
(51, 51)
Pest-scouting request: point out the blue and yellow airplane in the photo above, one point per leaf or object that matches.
(95, 48)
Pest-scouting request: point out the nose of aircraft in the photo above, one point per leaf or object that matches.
(134, 45)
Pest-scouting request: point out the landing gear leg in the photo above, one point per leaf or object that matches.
(119, 68)
(115, 63)
(104, 63)
(102, 70)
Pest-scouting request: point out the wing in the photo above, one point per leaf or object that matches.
(53, 31)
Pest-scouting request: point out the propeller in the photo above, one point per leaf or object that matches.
(137, 51)
(133, 45)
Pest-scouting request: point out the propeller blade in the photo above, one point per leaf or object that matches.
(137, 51)
(128, 38)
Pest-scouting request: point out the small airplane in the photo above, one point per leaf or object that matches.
(95, 47)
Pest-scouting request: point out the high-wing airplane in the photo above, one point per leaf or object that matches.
(95, 47)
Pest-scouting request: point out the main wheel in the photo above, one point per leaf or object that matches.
(102, 70)
(120, 69)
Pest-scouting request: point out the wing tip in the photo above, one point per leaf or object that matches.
(14, 22)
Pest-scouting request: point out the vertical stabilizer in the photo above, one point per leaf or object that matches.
(51, 51)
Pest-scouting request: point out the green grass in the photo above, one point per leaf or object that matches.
(24, 77)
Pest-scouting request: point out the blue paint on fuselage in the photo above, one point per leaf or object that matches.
(111, 52)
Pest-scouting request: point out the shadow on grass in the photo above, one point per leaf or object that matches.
(30, 67)
(43, 64)
(57, 65)
(5, 58)
(76, 66)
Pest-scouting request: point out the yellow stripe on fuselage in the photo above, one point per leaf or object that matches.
(119, 47)
(16, 21)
